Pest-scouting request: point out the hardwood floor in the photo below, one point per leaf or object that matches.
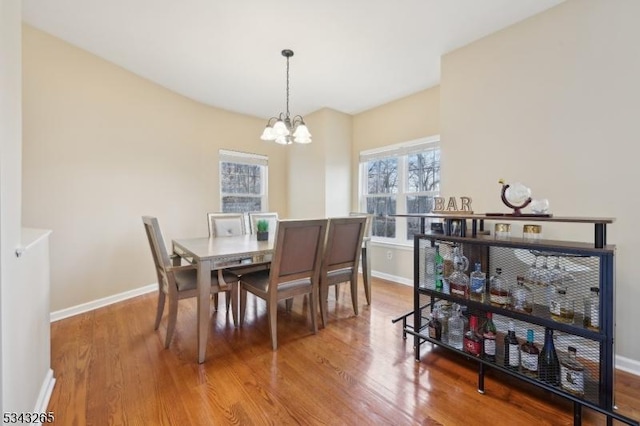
(111, 368)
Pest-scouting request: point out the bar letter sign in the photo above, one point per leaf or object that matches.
(450, 205)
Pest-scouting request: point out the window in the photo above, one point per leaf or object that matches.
(243, 182)
(399, 179)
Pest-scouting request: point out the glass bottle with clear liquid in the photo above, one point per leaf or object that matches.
(456, 330)
(592, 309)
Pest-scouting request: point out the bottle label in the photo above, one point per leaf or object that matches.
(554, 307)
(457, 291)
(572, 380)
(471, 346)
(477, 284)
(514, 355)
(432, 332)
(489, 345)
(530, 362)
(499, 300)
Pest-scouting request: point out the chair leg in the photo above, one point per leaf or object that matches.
(160, 310)
(366, 274)
(354, 292)
(313, 296)
(288, 303)
(272, 313)
(215, 302)
(227, 298)
(324, 305)
(232, 297)
(171, 324)
(336, 287)
(243, 304)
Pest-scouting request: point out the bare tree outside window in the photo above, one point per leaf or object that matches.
(401, 179)
(241, 187)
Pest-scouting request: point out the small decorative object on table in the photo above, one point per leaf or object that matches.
(262, 233)
(517, 197)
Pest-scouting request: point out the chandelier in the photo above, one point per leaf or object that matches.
(283, 129)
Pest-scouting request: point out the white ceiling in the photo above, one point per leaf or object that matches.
(350, 55)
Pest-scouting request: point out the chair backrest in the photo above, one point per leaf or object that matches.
(226, 224)
(344, 243)
(369, 216)
(271, 218)
(158, 249)
(298, 251)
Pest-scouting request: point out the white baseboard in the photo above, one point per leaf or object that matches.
(105, 301)
(627, 364)
(394, 278)
(45, 393)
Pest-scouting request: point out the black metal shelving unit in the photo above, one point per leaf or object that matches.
(595, 266)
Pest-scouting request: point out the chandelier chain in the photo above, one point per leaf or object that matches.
(287, 87)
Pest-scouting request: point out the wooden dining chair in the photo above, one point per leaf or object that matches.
(341, 257)
(270, 217)
(364, 255)
(226, 224)
(178, 282)
(295, 270)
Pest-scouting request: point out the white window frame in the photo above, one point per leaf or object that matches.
(401, 151)
(227, 156)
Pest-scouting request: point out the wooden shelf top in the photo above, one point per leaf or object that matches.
(507, 218)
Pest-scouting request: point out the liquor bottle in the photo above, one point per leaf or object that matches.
(456, 329)
(434, 325)
(511, 348)
(521, 297)
(548, 363)
(561, 307)
(459, 282)
(498, 290)
(572, 373)
(472, 341)
(489, 334)
(439, 270)
(529, 354)
(592, 309)
(478, 282)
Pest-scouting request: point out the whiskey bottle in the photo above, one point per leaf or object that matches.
(472, 341)
(511, 348)
(529, 354)
(498, 290)
(561, 307)
(572, 373)
(478, 282)
(434, 325)
(592, 309)
(548, 363)
(521, 297)
(459, 282)
(489, 334)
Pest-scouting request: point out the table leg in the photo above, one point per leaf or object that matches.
(204, 290)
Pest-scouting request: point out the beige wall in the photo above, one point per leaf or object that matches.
(102, 147)
(413, 117)
(320, 172)
(553, 102)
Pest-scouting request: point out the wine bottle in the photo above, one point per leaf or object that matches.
(472, 341)
(489, 339)
(548, 362)
(511, 348)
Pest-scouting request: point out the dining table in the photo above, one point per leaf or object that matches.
(215, 254)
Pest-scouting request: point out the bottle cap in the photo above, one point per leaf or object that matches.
(530, 335)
